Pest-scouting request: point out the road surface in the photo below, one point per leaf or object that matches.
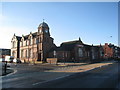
(104, 77)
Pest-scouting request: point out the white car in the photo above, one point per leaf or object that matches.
(16, 61)
(9, 58)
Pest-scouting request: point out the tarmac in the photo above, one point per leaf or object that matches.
(64, 70)
(69, 69)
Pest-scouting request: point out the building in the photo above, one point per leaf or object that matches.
(108, 51)
(39, 46)
(77, 51)
(4, 52)
(15, 50)
(34, 46)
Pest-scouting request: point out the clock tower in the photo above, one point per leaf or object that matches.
(44, 41)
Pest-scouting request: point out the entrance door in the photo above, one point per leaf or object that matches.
(39, 57)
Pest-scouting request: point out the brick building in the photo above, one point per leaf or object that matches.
(77, 51)
(108, 51)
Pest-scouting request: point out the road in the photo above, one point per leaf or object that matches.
(104, 77)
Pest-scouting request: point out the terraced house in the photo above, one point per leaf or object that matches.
(39, 46)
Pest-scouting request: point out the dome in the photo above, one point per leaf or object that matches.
(43, 25)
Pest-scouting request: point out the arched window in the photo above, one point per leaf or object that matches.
(80, 52)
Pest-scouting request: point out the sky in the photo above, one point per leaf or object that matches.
(93, 22)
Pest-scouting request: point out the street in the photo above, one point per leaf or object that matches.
(102, 77)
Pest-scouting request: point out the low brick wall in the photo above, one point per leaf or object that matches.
(52, 60)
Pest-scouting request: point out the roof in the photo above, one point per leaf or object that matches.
(68, 46)
(43, 24)
(18, 38)
(33, 34)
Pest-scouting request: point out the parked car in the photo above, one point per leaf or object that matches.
(9, 58)
(17, 61)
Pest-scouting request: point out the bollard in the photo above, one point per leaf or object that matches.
(5, 68)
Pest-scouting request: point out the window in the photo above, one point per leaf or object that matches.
(26, 42)
(34, 41)
(29, 41)
(26, 53)
(93, 54)
(21, 43)
(80, 52)
(37, 40)
(21, 53)
(30, 53)
(88, 54)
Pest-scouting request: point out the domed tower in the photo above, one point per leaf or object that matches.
(44, 28)
(45, 42)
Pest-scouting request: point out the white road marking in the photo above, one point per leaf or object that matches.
(51, 80)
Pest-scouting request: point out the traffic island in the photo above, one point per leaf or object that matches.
(8, 71)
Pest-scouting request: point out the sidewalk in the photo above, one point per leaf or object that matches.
(80, 67)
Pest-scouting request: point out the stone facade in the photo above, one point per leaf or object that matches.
(34, 46)
(15, 50)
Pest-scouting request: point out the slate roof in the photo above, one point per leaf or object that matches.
(18, 38)
(68, 46)
(33, 34)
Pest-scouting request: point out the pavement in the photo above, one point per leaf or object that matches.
(77, 68)
(31, 75)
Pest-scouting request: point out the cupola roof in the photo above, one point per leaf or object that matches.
(43, 24)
